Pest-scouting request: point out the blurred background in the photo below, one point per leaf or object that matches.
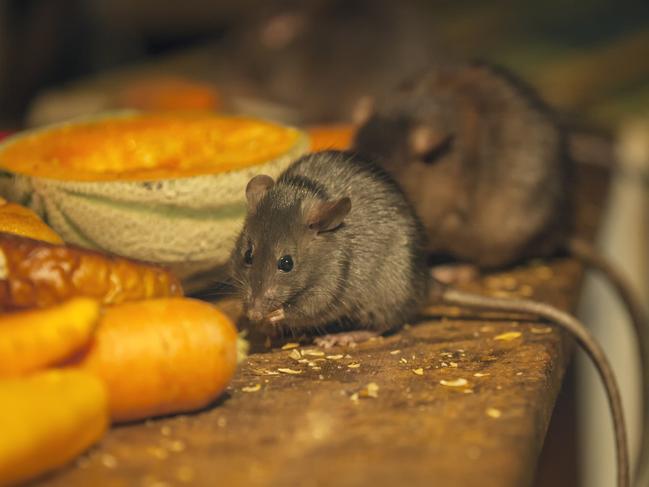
(309, 62)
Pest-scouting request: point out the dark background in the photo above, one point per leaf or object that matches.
(589, 58)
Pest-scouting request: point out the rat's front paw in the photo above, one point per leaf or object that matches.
(451, 274)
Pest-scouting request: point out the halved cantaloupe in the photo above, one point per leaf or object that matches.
(163, 187)
(334, 136)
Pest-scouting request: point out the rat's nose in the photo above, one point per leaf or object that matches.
(254, 315)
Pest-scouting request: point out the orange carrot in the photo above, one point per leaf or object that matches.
(162, 356)
(32, 340)
(46, 420)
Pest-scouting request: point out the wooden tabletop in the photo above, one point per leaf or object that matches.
(459, 398)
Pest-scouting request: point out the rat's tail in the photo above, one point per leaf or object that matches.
(577, 330)
(589, 255)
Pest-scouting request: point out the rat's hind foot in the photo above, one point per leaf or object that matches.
(455, 273)
(345, 339)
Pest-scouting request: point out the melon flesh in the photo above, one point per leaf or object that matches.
(184, 215)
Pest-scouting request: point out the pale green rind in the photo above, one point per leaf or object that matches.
(189, 224)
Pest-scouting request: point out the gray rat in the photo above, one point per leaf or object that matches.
(305, 249)
(334, 240)
(485, 164)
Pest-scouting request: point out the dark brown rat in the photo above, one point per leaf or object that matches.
(484, 162)
(334, 240)
(481, 159)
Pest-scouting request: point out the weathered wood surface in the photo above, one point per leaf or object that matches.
(309, 429)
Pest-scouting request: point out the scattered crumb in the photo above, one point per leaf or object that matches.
(468, 391)
(108, 460)
(295, 354)
(370, 390)
(354, 397)
(481, 374)
(508, 336)
(348, 356)
(418, 371)
(541, 330)
(222, 422)
(395, 352)
(403, 360)
(452, 364)
(313, 353)
(334, 357)
(317, 368)
(486, 328)
(254, 388)
(320, 377)
(454, 382)
(290, 346)
(289, 371)
(265, 372)
(493, 413)
(519, 373)
(354, 365)
(165, 431)
(444, 364)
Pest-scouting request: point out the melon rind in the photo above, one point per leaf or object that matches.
(187, 224)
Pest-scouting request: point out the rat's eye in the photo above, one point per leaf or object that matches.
(247, 257)
(285, 264)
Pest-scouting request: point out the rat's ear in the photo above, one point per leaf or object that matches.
(256, 189)
(429, 145)
(328, 215)
(362, 110)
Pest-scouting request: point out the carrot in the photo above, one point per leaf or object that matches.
(46, 420)
(162, 356)
(22, 221)
(32, 340)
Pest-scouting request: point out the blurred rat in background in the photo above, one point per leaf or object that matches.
(485, 164)
(320, 56)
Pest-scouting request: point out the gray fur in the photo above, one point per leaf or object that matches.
(369, 272)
